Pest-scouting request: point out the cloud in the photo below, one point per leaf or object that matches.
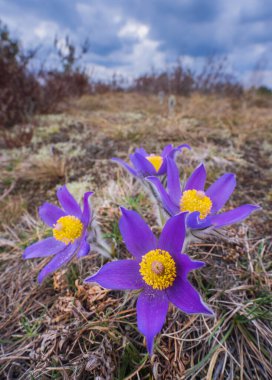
(45, 30)
(131, 36)
(134, 29)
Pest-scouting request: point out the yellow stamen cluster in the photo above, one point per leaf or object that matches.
(67, 229)
(194, 200)
(156, 161)
(158, 269)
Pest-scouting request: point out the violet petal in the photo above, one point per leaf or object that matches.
(185, 265)
(68, 202)
(125, 165)
(50, 213)
(184, 296)
(167, 202)
(152, 307)
(84, 249)
(136, 234)
(220, 191)
(58, 261)
(193, 221)
(167, 149)
(173, 235)
(163, 169)
(173, 181)
(178, 149)
(141, 151)
(47, 247)
(142, 165)
(233, 216)
(86, 214)
(197, 179)
(118, 275)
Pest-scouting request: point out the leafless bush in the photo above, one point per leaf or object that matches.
(59, 86)
(19, 88)
(214, 78)
(25, 93)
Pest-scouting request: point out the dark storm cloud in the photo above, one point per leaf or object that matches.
(182, 27)
(260, 11)
(195, 11)
(60, 11)
(195, 29)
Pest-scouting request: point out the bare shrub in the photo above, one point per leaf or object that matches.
(60, 86)
(25, 93)
(20, 89)
(215, 78)
(180, 80)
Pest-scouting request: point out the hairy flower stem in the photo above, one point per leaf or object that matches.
(98, 242)
(161, 218)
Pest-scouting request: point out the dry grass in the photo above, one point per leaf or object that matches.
(12, 208)
(66, 330)
(42, 170)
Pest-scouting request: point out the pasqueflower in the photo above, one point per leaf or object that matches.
(158, 269)
(145, 164)
(203, 205)
(69, 229)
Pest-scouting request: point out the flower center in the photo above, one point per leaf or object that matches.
(195, 200)
(156, 161)
(158, 269)
(67, 229)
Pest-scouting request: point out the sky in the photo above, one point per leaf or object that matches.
(129, 37)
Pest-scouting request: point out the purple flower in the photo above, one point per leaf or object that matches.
(145, 164)
(158, 269)
(203, 206)
(69, 227)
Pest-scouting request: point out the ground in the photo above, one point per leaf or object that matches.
(66, 330)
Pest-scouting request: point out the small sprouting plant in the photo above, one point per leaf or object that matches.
(161, 96)
(171, 104)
